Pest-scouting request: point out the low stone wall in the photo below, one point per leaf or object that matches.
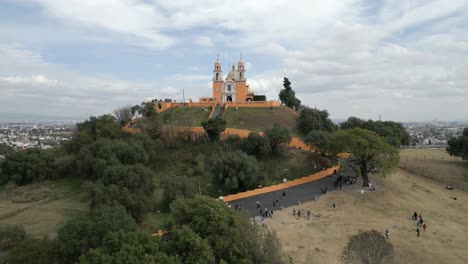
(281, 186)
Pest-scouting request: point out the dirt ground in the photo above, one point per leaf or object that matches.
(321, 239)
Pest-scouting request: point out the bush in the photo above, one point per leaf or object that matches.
(34, 251)
(176, 187)
(214, 127)
(367, 247)
(237, 171)
(278, 136)
(257, 145)
(81, 234)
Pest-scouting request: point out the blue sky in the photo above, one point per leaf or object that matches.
(405, 60)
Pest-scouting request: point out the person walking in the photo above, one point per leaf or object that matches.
(421, 221)
(284, 195)
(415, 216)
(424, 226)
(294, 211)
(334, 206)
(387, 233)
(308, 214)
(417, 230)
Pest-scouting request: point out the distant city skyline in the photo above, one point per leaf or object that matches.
(407, 61)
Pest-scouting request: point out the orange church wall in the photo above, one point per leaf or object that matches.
(217, 95)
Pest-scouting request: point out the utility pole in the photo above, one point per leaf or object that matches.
(183, 96)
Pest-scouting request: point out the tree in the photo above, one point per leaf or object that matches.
(188, 246)
(34, 251)
(257, 145)
(128, 185)
(176, 187)
(123, 114)
(5, 149)
(145, 109)
(127, 247)
(395, 133)
(82, 233)
(214, 127)
(315, 119)
(319, 140)
(288, 96)
(237, 171)
(278, 136)
(458, 146)
(10, 237)
(370, 152)
(91, 130)
(367, 247)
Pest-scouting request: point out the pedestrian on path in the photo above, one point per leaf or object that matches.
(294, 211)
(415, 216)
(334, 206)
(424, 226)
(417, 230)
(308, 214)
(284, 195)
(387, 233)
(421, 221)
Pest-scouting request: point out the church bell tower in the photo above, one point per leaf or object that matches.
(217, 81)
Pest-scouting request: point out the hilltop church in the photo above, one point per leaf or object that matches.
(233, 88)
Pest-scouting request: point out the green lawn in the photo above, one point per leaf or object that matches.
(185, 116)
(260, 119)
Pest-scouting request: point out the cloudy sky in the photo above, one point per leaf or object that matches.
(406, 60)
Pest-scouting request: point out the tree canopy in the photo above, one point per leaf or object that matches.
(257, 145)
(237, 171)
(458, 146)
(367, 247)
(319, 140)
(393, 132)
(370, 152)
(288, 96)
(278, 136)
(315, 119)
(214, 127)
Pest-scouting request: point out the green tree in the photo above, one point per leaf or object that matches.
(278, 136)
(288, 96)
(123, 114)
(127, 185)
(370, 152)
(145, 109)
(315, 119)
(395, 133)
(368, 247)
(176, 187)
(257, 145)
(188, 246)
(319, 140)
(237, 171)
(214, 127)
(83, 233)
(232, 238)
(89, 131)
(5, 149)
(34, 251)
(10, 237)
(127, 247)
(458, 146)
(28, 166)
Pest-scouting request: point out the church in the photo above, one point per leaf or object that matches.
(233, 88)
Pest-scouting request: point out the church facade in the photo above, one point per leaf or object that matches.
(233, 88)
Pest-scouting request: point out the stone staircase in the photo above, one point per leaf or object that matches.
(219, 110)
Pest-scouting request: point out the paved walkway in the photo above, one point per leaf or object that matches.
(294, 195)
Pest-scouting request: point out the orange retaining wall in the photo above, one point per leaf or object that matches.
(281, 186)
(254, 104)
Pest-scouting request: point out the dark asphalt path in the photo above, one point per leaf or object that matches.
(294, 195)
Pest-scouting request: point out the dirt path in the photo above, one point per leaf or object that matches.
(321, 239)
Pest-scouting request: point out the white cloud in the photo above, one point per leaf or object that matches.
(204, 41)
(34, 80)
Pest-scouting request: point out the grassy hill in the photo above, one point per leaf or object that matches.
(185, 116)
(260, 119)
(435, 164)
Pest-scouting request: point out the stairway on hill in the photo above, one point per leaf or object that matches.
(219, 110)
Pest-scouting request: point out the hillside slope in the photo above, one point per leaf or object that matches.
(261, 119)
(185, 116)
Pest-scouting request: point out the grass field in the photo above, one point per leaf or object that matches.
(322, 239)
(260, 119)
(185, 116)
(42, 208)
(435, 164)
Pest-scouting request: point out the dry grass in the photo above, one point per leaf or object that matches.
(435, 164)
(42, 208)
(322, 239)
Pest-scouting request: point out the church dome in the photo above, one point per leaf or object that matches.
(232, 76)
